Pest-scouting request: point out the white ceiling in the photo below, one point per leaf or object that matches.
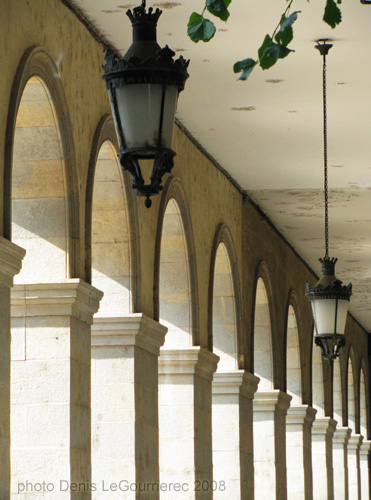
(267, 132)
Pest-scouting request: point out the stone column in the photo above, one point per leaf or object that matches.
(323, 474)
(232, 418)
(354, 445)
(299, 422)
(125, 441)
(185, 377)
(51, 389)
(364, 469)
(10, 264)
(340, 462)
(270, 410)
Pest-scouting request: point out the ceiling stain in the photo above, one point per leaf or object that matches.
(274, 80)
(167, 5)
(109, 11)
(245, 108)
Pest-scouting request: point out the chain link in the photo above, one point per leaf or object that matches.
(325, 156)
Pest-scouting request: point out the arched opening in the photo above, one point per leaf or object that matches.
(293, 365)
(337, 394)
(174, 281)
(110, 235)
(263, 359)
(39, 192)
(363, 405)
(318, 395)
(224, 312)
(50, 383)
(351, 398)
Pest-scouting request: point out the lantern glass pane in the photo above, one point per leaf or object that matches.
(324, 311)
(342, 316)
(139, 106)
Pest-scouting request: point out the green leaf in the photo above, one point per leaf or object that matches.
(286, 33)
(218, 8)
(289, 21)
(332, 14)
(285, 36)
(245, 66)
(277, 51)
(265, 60)
(200, 28)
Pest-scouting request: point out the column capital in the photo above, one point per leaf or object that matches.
(70, 297)
(365, 447)
(355, 442)
(129, 330)
(342, 435)
(188, 361)
(324, 425)
(235, 382)
(301, 414)
(11, 257)
(271, 400)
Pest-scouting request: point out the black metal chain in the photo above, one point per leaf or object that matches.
(325, 155)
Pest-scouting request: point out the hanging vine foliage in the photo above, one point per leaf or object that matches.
(274, 46)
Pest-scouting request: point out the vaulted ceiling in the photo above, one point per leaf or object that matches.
(267, 132)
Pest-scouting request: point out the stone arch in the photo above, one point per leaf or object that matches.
(351, 397)
(40, 180)
(224, 315)
(337, 393)
(318, 393)
(111, 226)
(175, 272)
(363, 400)
(293, 356)
(263, 353)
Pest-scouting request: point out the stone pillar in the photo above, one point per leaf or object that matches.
(340, 462)
(323, 474)
(364, 469)
(270, 444)
(125, 442)
(299, 422)
(10, 264)
(185, 377)
(51, 389)
(354, 446)
(232, 418)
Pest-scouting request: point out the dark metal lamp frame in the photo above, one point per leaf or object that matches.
(146, 63)
(328, 287)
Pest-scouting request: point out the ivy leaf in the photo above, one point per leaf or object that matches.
(218, 8)
(332, 14)
(245, 66)
(277, 51)
(286, 33)
(265, 60)
(200, 28)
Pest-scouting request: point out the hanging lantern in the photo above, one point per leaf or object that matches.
(143, 89)
(330, 301)
(329, 298)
